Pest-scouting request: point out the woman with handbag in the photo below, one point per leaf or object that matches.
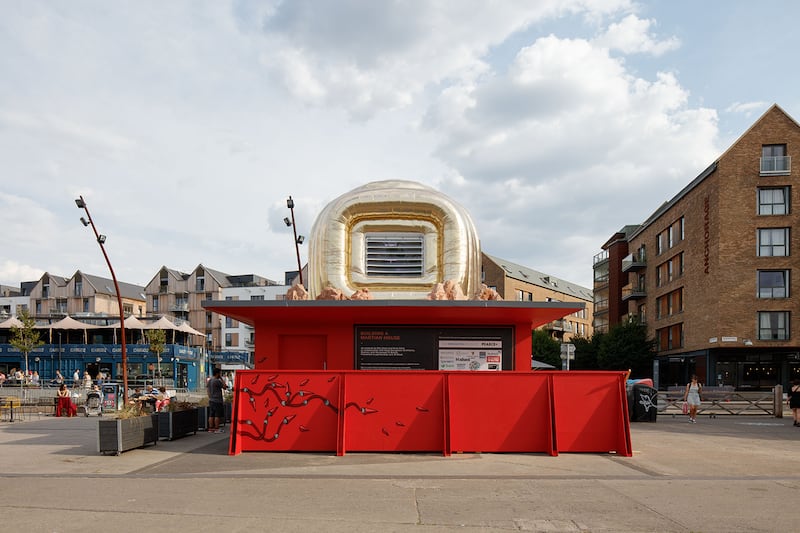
(692, 397)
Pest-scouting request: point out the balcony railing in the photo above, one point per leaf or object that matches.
(633, 262)
(599, 258)
(180, 307)
(776, 165)
(558, 325)
(600, 304)
(631, 292)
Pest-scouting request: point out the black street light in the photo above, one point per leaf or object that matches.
(298, 239)
(101, 239)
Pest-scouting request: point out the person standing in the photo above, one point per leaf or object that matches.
(76, 378)
(216, 407)
(794, 400)
(692, 397)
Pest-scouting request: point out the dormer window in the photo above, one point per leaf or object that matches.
(774, 161)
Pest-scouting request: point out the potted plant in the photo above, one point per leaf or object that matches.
(179, 420)
(130, 429)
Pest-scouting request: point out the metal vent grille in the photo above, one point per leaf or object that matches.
(394, 254)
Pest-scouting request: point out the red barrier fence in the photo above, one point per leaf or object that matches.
(430, 411)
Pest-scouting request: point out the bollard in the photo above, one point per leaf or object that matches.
(777, 401)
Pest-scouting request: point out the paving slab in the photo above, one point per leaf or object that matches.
(735, 473)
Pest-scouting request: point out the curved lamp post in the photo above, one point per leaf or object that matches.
(101, 239)
(298, 239)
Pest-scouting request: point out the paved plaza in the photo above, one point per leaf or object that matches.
(732, 473)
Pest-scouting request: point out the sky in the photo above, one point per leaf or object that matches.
(185, 125)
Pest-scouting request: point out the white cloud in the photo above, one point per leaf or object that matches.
(366, 57)
(631, 35)
(748, 109)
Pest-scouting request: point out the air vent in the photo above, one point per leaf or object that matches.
(394, 255)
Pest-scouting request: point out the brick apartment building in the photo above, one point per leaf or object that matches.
(710, 271)
(519, 283)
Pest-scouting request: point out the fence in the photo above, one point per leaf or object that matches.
(724, 400)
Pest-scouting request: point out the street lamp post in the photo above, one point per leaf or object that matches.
(101, 239)
(298, 239)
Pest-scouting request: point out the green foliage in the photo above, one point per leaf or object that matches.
(26, 338)
(545, 349)
(158, 340)
(626, 346)
(586, 352)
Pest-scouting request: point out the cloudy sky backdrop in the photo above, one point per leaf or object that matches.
(185, 125)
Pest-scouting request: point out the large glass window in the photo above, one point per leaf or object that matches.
(773, 200)
(773, 242)
(773, 325)
(773, 283)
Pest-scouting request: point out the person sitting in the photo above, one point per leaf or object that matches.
(65, 402)
(163, 399)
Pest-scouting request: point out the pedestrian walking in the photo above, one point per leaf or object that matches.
(692, 397)
(794, 400)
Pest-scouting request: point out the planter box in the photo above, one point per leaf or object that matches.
(120, 435)
(174, 424)
(202, 417)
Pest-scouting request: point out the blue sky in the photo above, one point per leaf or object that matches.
(185, 125)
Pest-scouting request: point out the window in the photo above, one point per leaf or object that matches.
(200, 284)
(257, 297)
(209, 322)
(773, 242)
(670, 337)
(670, 238)
(86, 305)
(773, 325)
(78, 287)
(229, 339)
(773, 283)
(395, 254)
(774, 159)
(660, 243)
(643, 314)
(61, 305)
(38, 307)
(127, 309)
(524, 296)
(682, 228)
(228, 322)
(155, 304)
(773, 200)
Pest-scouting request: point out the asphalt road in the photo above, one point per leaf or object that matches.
(734, 473)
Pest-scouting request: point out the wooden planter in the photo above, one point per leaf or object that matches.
(123, 434)
(175, 424)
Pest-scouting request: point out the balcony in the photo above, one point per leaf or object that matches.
(558, 325)
(632, 262)
(780, 165)
(600, 258)
(631, 292)
(600, 305)
(179, 308)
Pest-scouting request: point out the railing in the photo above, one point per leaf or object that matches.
(179, 307)
(633, 262)
(600, 304)
(776, 165)
(599, 258)
(715, 401)
(633, 292)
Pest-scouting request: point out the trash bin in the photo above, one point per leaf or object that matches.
(112, 400)
(643, 403)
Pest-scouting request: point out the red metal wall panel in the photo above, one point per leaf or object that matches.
(590, 412)
(394, 411)
(286, 411)
(499, 412)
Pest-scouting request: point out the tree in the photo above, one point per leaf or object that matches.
(626, 346)
(545, 349)
(586, 352)
(158, 341)
(25, 338)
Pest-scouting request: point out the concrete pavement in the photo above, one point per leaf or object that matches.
(735, 473)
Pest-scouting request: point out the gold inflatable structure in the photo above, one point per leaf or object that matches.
(394, 239)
